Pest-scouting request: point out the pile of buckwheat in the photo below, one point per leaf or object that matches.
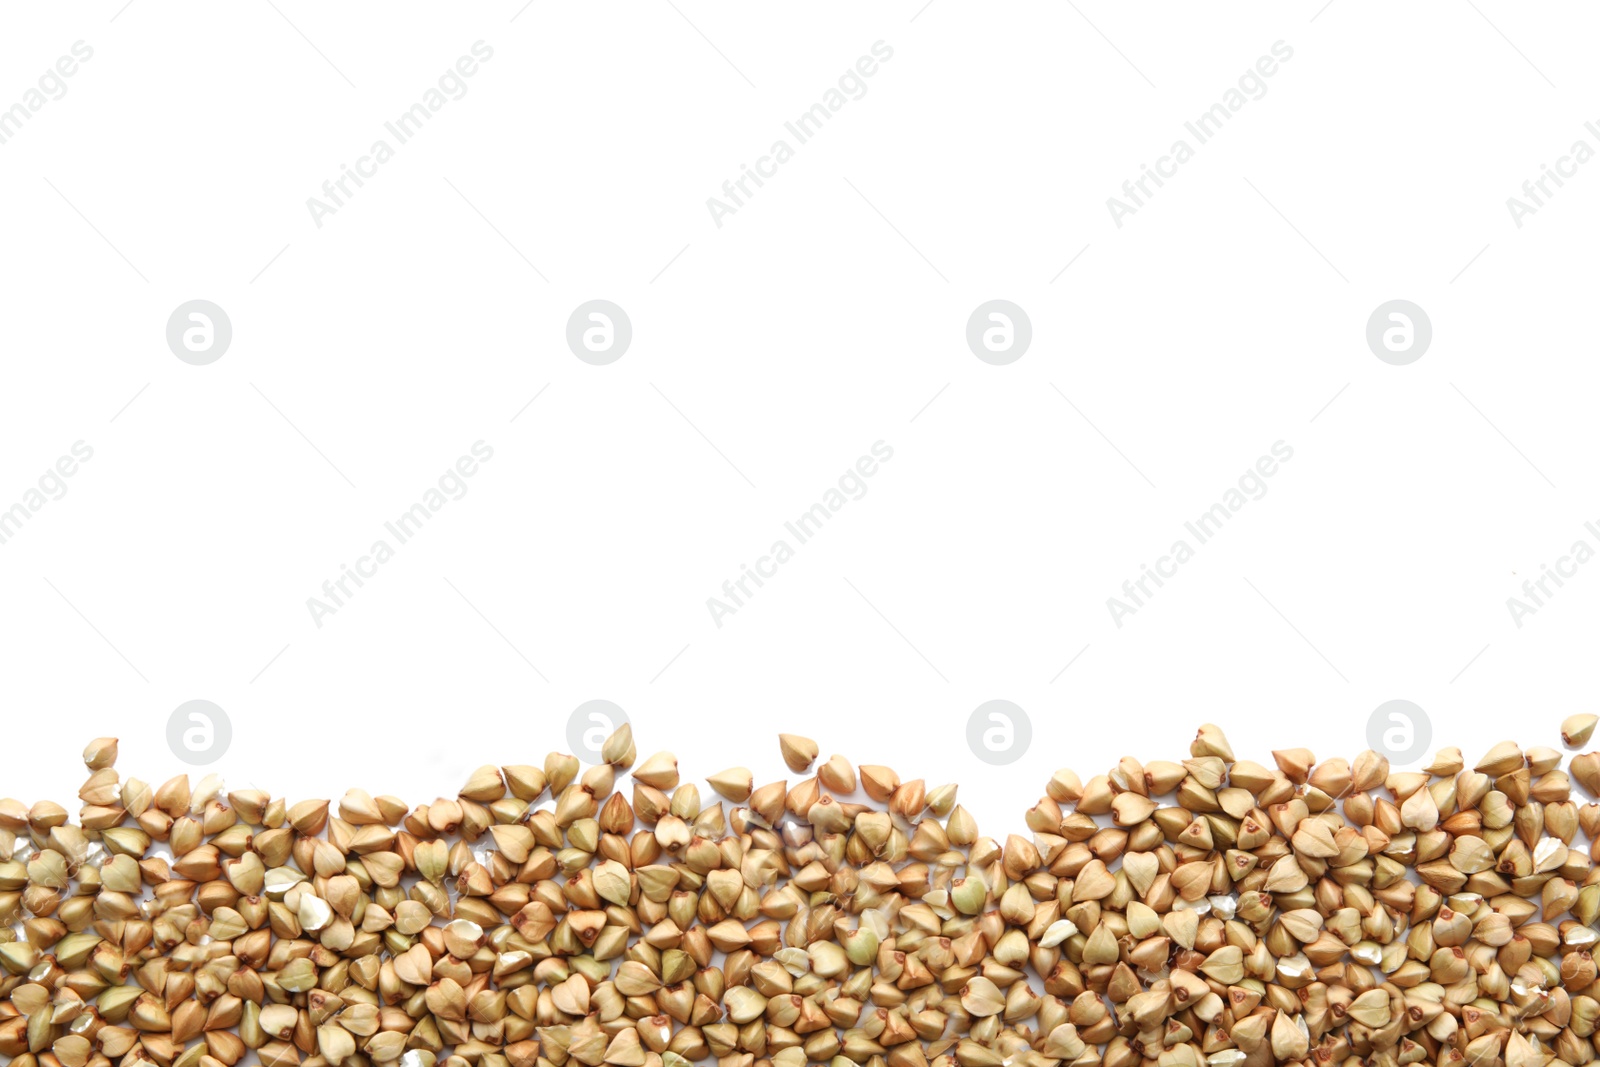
(1332, 912)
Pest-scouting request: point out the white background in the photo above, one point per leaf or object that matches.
(822, 317)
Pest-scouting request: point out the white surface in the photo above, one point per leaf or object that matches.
(795, 336)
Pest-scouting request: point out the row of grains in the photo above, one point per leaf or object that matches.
(1204, 910)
